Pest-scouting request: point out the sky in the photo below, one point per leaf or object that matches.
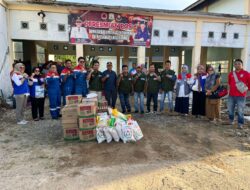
(157, 4)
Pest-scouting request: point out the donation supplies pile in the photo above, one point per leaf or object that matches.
(87, 119)
(117, 126)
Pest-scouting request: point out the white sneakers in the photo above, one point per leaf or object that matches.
(23, 122)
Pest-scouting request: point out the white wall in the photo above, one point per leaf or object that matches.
(228, 7)
(217, 41)
(34, 32)
(5, 65)
(177, 26)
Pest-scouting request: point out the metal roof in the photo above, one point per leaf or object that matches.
(128, 9)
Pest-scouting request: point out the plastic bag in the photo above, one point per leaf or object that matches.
(137, 131)
(127, 133)
(114, 134)
(102, 121)
(92, 95)
(107, 134)
(118, 129)
(100, 135)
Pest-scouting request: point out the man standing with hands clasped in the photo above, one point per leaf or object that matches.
(125, 87)
(239, 83)
(168, 79)
(109, 79)
(153, 82)
(139, 81)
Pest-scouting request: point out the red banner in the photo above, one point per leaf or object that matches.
(95, 27)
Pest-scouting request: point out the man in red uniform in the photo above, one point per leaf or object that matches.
(237, 95)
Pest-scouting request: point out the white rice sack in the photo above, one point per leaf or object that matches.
(114, 134)
(118, 129)
(100, 135)
(107, 134)
(127, 133)
(137, 131)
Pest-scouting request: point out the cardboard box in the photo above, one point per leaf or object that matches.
(73, 99)
(86, 109)
(70, 125)
(88, 100)
(87, 134)
(73, 120)
(69, 114)
(87, 122)
(71, 134)
(69, 109)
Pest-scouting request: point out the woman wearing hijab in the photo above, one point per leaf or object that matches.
(212, 103)
(199, 92)
(21, 91)
(54, 91)
(37, 94)
(183, 90)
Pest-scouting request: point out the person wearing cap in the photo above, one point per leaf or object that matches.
(132, 71)
(125, 87)
(109, 79)
(168, 79)
(21, 91)
(95, 80)
(153, 84)
(139, 82)
(67, 79)
(142, 33)
(80, 75)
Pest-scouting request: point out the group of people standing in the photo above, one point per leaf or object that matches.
(136, 82)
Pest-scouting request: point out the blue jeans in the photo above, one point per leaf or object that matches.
(241, 103)
(137, 96)
(124, 99)
(153, 96)
(169, 95)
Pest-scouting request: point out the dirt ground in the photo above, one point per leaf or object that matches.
(175, 153)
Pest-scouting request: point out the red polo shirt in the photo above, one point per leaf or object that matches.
(243, 76)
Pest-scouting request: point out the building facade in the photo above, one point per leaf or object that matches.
(184, 37)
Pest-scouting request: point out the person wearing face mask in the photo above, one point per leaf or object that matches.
(37, 94)
(54, 91)
(67, 79)
(183, 90)
(21, 91)
(80, 75)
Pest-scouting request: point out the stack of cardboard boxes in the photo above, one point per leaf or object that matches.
(69, 122)
(87, 121)
(79, 117)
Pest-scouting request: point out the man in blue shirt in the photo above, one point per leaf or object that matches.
(142, 32)
(109, 79)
